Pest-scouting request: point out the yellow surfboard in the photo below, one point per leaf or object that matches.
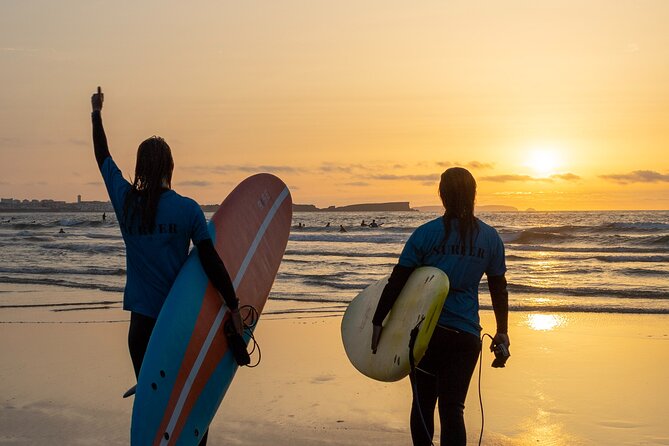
(421, 299)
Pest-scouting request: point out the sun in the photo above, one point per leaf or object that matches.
(543, 161)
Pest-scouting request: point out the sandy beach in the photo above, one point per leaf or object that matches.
(573, 379)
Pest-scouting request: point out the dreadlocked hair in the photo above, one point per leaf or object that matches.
(153, 173)
(457, 190)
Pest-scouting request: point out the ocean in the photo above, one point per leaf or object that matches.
(613, 261)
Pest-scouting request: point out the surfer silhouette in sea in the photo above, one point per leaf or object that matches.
(465, 248)
(157, 226)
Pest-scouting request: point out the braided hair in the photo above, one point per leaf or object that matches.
(457, 190)
(153, 174)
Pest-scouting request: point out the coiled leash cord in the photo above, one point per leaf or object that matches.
(481, 396)
(250, 321)
(414, 385)
(412, 370)
(236, 341)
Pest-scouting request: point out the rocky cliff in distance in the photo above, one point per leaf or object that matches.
(395, 206)
(484, 208)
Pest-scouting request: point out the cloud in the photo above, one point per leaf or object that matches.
(474, 165)
(344, 168)
(195, 183)
(566, 176)
(248, 168)
(79, 142)
(17, 50)
(390, 177)
(631, 48)
(479, 165)
(357, 184)
(10, 142)
(509, 178)
(637, 176)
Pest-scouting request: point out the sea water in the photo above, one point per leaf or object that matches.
(614, 261)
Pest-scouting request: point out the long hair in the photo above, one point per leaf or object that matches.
(153, 173)
(457, 190)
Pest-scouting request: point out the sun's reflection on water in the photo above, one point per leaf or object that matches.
(545, 322)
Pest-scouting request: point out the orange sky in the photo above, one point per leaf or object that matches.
(552, 105)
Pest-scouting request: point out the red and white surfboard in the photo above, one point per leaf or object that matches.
(188, 366)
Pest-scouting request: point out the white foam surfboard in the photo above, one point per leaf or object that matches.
(422, 298)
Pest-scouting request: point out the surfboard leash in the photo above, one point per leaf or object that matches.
(236, 342)
(412, 370)
(250, 321)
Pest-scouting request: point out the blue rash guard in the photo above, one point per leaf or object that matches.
(153, 259)
(464, 267)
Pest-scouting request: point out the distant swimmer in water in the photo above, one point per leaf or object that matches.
(342, 228)
(373, 224)
(61, 231)
(298, 226)
(363, 223)
(327, 225)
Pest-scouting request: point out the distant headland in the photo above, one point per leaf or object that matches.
(483, 208)
(394, 206)
(14, 205)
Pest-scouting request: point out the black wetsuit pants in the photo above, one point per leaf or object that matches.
(138, 339)
(443, 374)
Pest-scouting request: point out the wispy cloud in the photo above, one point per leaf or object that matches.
(511, 178)
(357, 184)
(194, 183)
(479, 165)
(10, 142)
(341, 168)
(248, 168)
(474, 165)
(390, 177)
(637, 176)
(17, 50)
(566, 176)
(79, 142)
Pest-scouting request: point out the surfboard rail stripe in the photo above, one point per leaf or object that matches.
(176, 415)
(261, 232)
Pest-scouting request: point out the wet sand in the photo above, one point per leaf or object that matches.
(573, 379)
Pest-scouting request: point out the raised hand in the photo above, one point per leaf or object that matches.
(97, 99)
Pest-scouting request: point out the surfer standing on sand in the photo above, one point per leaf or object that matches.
(465, 248)
(157, 226)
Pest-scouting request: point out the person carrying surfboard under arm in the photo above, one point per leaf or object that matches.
(465, 248)
(157, 226)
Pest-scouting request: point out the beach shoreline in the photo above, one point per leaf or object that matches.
(573, 378)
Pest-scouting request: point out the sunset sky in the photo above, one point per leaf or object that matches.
(550, 104)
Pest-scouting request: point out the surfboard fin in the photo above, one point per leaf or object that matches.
(130, 392)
